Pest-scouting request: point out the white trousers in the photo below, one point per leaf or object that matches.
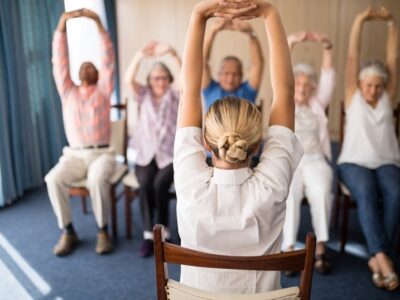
(312, 179)
(94, 165)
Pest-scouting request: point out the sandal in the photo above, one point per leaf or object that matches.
(322, 265)
(391, 281)
(377, 278)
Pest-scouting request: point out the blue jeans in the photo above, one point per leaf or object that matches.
(377, 193)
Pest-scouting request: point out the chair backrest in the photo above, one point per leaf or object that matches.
(299, 260)
(119, 131)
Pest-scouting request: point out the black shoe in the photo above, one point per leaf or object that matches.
(322, 264)
(146, 248)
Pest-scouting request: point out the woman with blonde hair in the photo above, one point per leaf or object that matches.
(231, 209)
(153, 138)
(313, 178)
(369, 163)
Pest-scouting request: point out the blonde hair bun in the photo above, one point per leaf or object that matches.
(232, 148)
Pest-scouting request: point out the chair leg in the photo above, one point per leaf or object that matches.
(114, 213)
(345, 221)
(83, 202)
(128, 213)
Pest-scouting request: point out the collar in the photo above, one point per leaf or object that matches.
(231, 177)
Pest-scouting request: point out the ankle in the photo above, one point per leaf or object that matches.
(69, 229)
(103, 229)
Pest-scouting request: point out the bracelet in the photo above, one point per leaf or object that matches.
(328, 47)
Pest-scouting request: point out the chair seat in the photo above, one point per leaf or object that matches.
(120, 170)
(130, 180)
(179, 291)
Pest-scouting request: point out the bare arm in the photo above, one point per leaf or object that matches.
(130, 77)
(353, 56)
(257, 63)
(165, 49)
(392, 60)
(214, 28)
(282, 80)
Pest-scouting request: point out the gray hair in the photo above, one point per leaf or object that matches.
(373, 68)
(305, 69)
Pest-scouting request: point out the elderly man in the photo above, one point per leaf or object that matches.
(86, 115)
(230, 74)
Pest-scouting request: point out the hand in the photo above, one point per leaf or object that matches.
(297, 37)
(89, 14)
(383, 13)
(240, 25)
(162, 49)
(368, 14)
(219, 24)
(227, 9)
(262, 9)
(149, 49)
(319, 38)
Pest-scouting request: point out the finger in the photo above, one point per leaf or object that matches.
(226, 16)
(245, 17)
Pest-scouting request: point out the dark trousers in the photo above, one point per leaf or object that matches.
(153, 192)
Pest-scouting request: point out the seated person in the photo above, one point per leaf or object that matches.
(314, 176)
(369, 163)
(154, 137)
(231, 209)
(86, 115)
(230, 74)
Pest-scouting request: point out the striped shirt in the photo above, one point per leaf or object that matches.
(86, 109)
(154, 135)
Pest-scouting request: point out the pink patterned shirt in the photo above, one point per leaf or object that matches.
(86, 109)
(154, 135)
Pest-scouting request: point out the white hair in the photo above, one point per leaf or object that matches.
(373, 68)
(305, 69)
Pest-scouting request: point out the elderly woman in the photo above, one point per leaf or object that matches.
(369, 164)
(154, 137)
(313, 178)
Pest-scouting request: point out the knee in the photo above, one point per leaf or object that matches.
(97, 178)
(53, 178)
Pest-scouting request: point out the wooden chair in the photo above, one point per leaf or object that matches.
(299, 260)
(119, 143)
(344, 201)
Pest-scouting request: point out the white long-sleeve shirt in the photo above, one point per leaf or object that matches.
(237, 212)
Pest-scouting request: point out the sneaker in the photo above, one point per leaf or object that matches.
(66, 244)
(104, 243)
(146, 248)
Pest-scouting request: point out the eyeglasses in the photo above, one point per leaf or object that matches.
(159, 78)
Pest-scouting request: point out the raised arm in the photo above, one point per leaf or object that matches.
(165, 49)
(130, 78)
(107, 55)
(392, 55)
(353, 56)
(282, 80)
(256, 57)
(214, 28)
(60, 58)
(190, 106)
